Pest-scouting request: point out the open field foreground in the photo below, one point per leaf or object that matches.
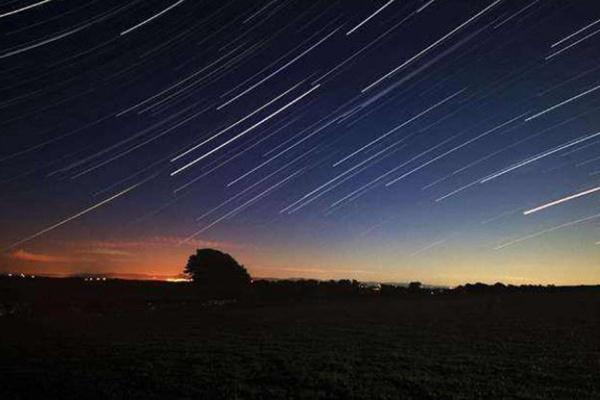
(493, 346)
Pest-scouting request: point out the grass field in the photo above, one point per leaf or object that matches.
(514, 345)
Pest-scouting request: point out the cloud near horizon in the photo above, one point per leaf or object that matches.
(105, 252)
(24, 255)
(160, 241)
(153, 255)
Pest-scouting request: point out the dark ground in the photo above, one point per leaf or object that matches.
(493, 346)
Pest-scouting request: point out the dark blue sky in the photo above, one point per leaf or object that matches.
(379, 140)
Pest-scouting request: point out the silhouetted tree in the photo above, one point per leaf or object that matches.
(218, 274)
(414, 286)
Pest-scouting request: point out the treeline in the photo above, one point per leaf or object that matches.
(44, 295)
(274, 290)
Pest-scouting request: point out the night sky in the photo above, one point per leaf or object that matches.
(444, 141)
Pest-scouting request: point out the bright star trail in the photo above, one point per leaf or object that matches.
(559, 201)
(25, 8)
(380, 9)
(144, 22)
(413, 139)
(75, 216)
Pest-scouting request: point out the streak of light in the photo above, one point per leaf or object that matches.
(344, 180)
(259, 11)
(437, 181)
(228, 157)
(291, 139)
(360, 51)
(432, 61)
(18, 10)
(218, 74)
(396, 128)
(50, 105)
(574, 78)
(227, 93)
(572, 44)
(254, 185)
(79, 214)
(500, 216)
(239, 210)
(141, 144)
(482, 159)
(41, 167)
(562, 103)
(430, 47)
(118, 144)
(516, 14)
(424, 6)
(578, 149)
(517, 143)
(236, 123)
(452, 150)
(283, 144)
(154, 212)
(415, 72)
(144, 22)
(380, 9)
(559, 201)
(460, 189)
(335, 179)
(575, 33)
(54, 139)
(315, 18)
(218, 165)
(297, 99)
(173, 86)
(334, 207)
(538, 157)
(68, 33)
(378, 225)
(586, 162)
(278, 70)
(548, 230)
(247, 203)
(132, 176)
(380, 177)
(43, 42)
(256, 25)
(349, 114)
(282, 152)
(428, 247)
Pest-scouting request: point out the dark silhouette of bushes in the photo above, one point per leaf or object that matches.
(305, 289)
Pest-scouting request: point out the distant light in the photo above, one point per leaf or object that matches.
(178, 280)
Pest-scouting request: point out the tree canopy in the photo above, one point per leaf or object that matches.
(217, 273)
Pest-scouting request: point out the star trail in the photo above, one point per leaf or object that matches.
(433, 140)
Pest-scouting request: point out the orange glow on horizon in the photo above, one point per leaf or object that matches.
(162, 258)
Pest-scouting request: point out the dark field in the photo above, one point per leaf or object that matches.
(146, 340)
